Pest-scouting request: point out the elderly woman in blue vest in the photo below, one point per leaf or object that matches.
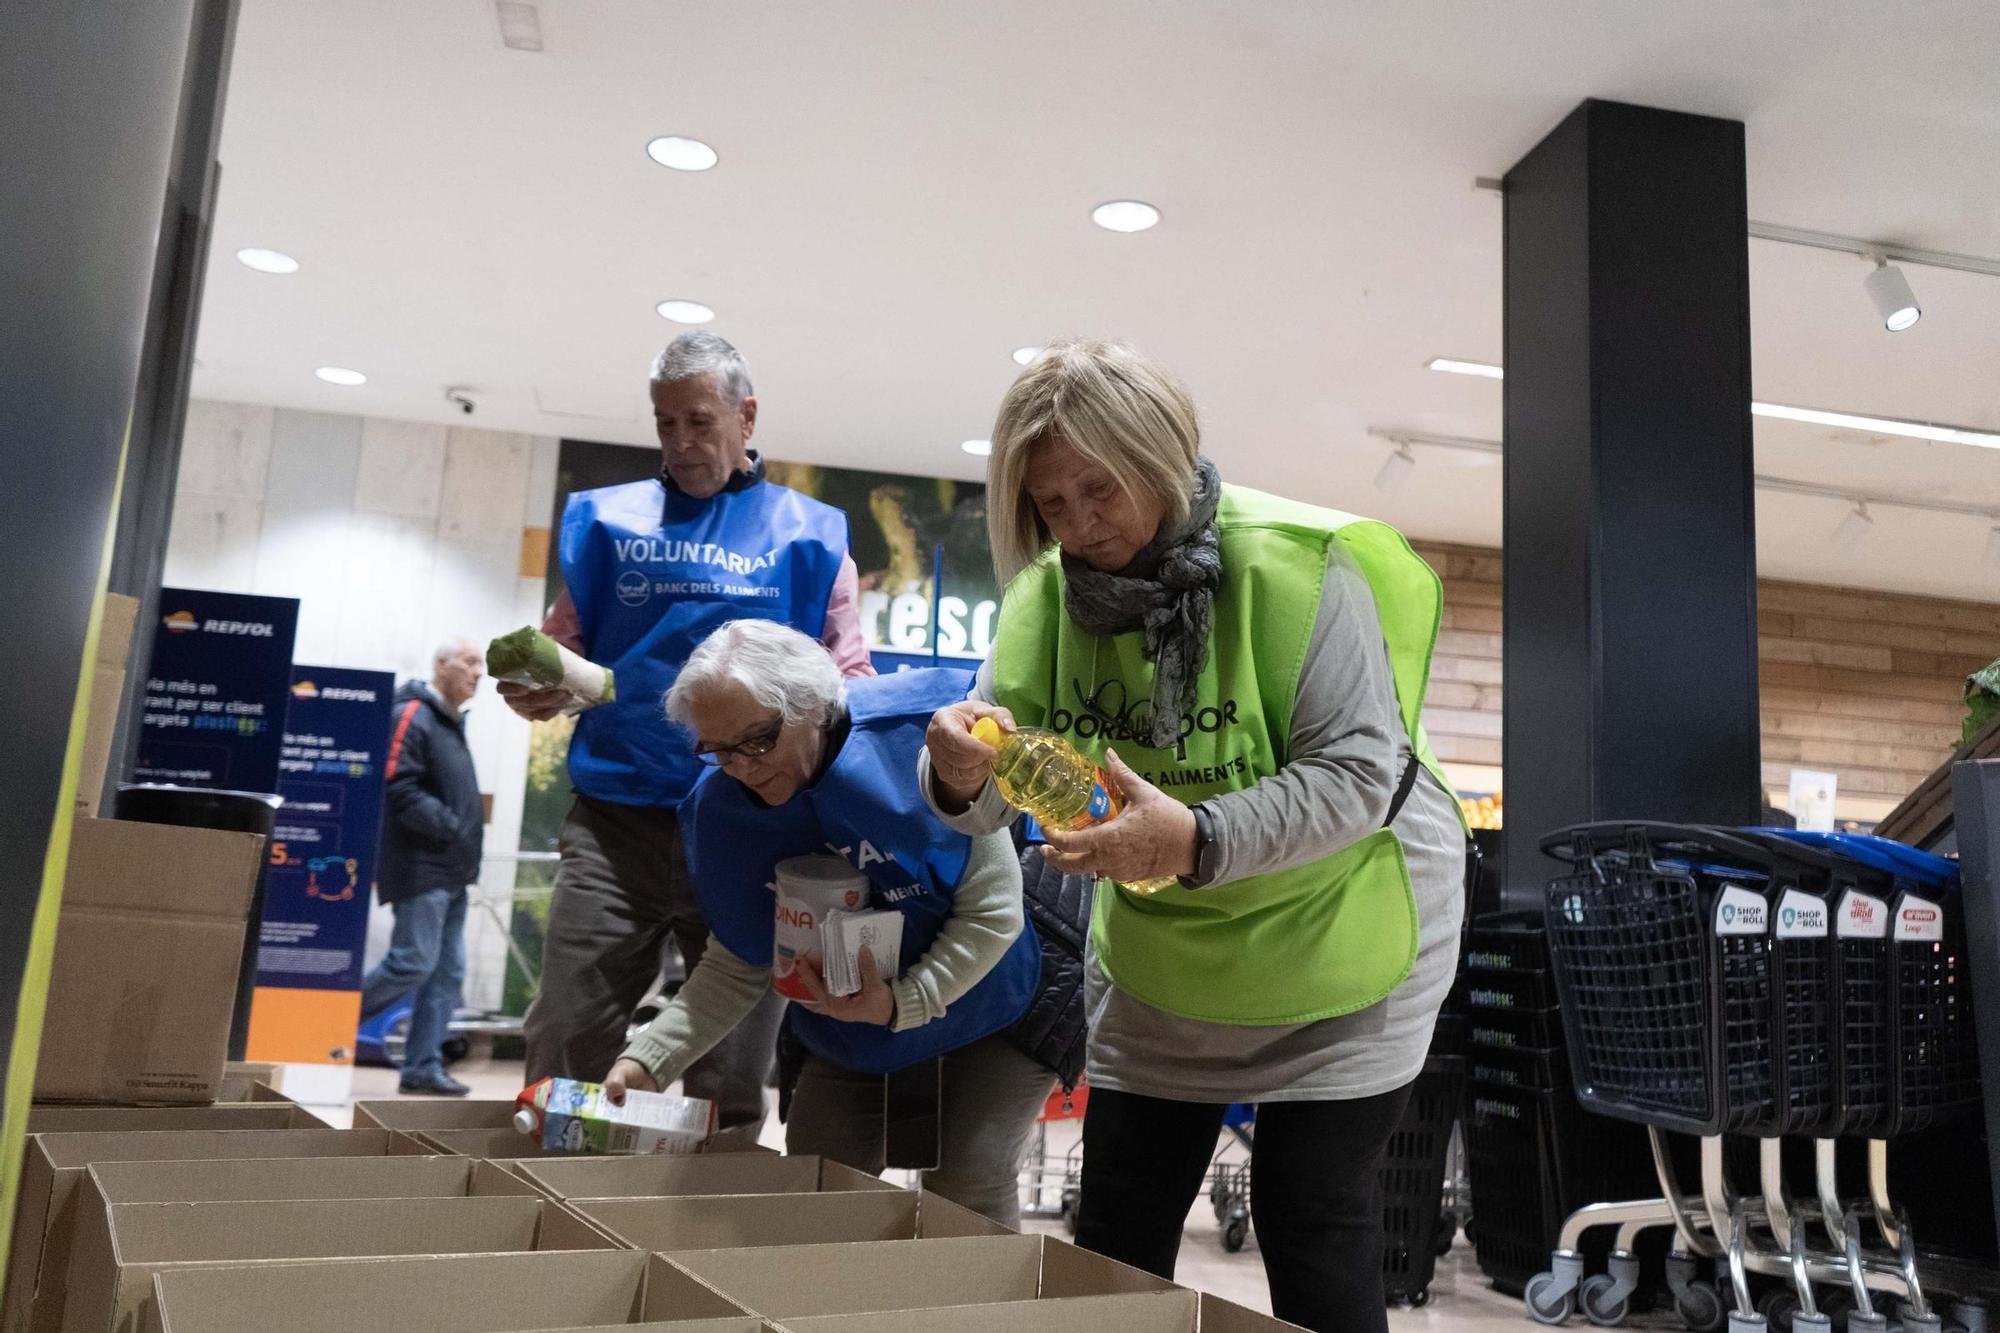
(1250, 670)
(806, 763)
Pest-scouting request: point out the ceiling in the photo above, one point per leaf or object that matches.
(904, 194)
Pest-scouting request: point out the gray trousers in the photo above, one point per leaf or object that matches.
(622, 889)
(992, 1094)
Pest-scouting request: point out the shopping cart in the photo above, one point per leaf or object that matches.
(1761, 983)
(1053, 1182)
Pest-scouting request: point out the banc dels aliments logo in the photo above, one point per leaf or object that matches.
(634, 587)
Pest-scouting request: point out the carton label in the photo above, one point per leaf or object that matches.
(1919, 920)
(1801, 917)
(1739, 911)
(1861, 916)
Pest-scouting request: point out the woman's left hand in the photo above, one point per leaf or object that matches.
(1153, 837)
(873, 1003)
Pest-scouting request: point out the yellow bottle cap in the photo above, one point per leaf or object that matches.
(987, 732)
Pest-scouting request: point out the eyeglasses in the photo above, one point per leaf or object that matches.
(752, 747)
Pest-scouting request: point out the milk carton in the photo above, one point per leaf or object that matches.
(567, 1115)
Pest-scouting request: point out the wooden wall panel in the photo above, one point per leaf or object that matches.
(1869, 685)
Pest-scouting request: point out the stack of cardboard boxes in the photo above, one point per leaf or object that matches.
(149, 938)
(148, 1225)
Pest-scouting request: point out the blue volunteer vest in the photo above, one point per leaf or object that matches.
(653, 572)
(868, 811)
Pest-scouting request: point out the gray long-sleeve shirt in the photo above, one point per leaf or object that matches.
(1347, 747)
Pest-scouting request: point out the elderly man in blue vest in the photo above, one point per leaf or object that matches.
(652, 568)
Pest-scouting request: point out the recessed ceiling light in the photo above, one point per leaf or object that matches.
(978, 448)
(1450, 367)
(685, 312)
(267, 261)
(1024, 355)
(1125, 215)
(1812, 416)
(681, 154)
(346, 379)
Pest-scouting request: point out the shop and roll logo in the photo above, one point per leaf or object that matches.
(1729, 914)
(1860, 911)
(1790, 918)
(634, 588)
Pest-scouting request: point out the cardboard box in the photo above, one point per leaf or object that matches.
(114, 1262)
(422, 1115)
(731, 1221)
(249, 1084)
(263, 1071)
(144, 976)
(54, 1168)
(502, 1144)
(656, 1177)
(303, 1178)
(1178, 1311)
(107, 691)
(484, 1294)
(63, 1119)
(786, 1282)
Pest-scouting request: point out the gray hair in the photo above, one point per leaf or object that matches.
(783, 669)
(454, 647)
(701, 353)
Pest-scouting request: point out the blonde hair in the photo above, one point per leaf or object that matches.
(1110, 404)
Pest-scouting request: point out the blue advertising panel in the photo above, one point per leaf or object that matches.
(215, 699)
(323, 852)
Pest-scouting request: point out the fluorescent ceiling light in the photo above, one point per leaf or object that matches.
(1024, 355)
(267, 261)
(1125, 215)
(1812, 416)
(685, 312)
(681, 154)
(1451, 367)
(1894, 301)
(1914, 430)
(346, 379)
(978, 448)
(520, 25)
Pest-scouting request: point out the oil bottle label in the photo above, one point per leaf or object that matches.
(1099, 808)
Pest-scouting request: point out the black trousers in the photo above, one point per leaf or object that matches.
(1315, 1195)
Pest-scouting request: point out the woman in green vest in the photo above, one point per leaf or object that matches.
(1250, 670)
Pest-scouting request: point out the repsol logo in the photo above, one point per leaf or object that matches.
(335, 692)
(1106, 714)
(245, 627)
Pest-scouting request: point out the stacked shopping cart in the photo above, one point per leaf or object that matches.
(1766, 984)
(1531, 1153)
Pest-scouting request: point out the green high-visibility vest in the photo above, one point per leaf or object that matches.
(1330, 937)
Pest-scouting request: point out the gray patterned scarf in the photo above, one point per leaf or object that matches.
(1169, 592)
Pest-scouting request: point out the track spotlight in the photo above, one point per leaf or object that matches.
(1894, 301)
(1853, 529)
(1395, 468)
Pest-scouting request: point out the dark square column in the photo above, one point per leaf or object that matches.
(1631, 644)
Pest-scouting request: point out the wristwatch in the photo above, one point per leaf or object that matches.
(1204, 850)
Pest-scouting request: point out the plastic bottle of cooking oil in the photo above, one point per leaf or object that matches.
(1043, 774)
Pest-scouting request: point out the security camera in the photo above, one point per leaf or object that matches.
(463, 399)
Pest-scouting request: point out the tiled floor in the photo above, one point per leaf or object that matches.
(1461, 1300)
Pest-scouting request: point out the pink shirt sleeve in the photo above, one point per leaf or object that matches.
(843, 637)
(564, 625)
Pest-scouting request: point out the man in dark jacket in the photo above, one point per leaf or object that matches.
(430, 852)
